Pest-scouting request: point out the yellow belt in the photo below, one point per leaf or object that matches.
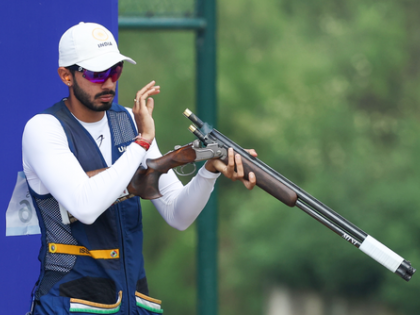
(83, 251)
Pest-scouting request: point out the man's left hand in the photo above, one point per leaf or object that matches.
(234, 161)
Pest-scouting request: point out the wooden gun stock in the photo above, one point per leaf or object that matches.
(145, 182)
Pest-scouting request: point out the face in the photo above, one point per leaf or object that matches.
(94, 96)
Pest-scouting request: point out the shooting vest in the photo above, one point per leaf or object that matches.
(95, 268)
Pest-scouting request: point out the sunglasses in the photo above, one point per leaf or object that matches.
(100, 77)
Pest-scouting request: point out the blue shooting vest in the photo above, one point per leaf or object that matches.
(97, 268)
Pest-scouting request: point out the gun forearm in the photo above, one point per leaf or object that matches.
(267, 182)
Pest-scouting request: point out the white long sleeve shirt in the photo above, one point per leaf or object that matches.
(50, 167)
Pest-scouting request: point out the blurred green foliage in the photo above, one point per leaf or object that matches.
(160, 8)
(327, 92)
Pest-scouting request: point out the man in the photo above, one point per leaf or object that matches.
(91, 253)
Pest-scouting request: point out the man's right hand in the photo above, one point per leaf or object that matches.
(143, 109)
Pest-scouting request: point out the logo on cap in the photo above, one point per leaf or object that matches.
(100, 34)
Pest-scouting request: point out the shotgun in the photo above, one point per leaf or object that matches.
(212, 144)
(292, 195)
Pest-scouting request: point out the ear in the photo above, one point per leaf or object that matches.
(65, 76)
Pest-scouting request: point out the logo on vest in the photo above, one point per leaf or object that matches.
(122, 148)
(84, 251)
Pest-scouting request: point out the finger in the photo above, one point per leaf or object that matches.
(231, 158)
(252, 179)
(216, 165)
(251, 182)
(146, 87)
(141, 103)
(156, 89)
(152, 91)
(239, 166)
(147, 93)
(150, 105)
(229, 169)
(136, 105)
(226, 169)
(252, 152)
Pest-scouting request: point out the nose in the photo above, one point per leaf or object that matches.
(108, 84)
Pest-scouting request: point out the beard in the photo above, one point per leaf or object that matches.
(84, 98)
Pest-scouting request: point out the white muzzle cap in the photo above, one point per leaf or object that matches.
(90, 46)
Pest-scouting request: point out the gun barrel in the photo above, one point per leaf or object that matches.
(198, 133)
(405, 270)
(191, 116)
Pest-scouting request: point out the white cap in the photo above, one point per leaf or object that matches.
(90, 46)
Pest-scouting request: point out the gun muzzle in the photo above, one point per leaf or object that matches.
(405, 270)
(198, 134)
(191, 116)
